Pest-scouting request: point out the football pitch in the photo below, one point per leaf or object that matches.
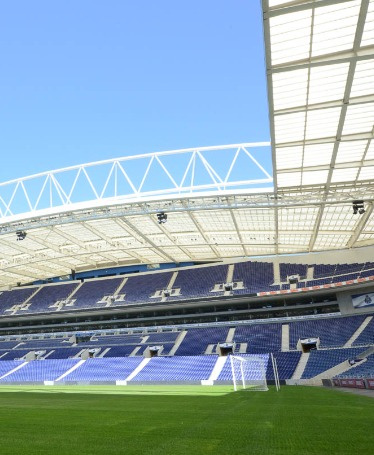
(155, 420)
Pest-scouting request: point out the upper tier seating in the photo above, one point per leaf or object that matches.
(256, 277)
(292, 269)
(91, 292)
(49, 295)
(16, 296)
(199, 282)
(140, 288)
(190, 283)
(166, 337)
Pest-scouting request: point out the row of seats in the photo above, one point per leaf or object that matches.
(247, 338)
(322, 360)
(157, 369)
(178, 369)
(198, 282)
(364, 370)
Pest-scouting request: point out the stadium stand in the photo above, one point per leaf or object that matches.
(197, 340)
(365, 370)
(261, 338)
(140, 289)
(91, 292)
(103, 370)
(366, 336)
(199, 282)
(191, 283)
(15, 297)
(322, 360)
(175, 369)
(38, 371)
(49, 297)
(332, 332)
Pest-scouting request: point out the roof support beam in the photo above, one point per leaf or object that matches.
(328, 140)
(361, 225)
(132, 230)
(338, 103)
(76, 242)
(238, 233)
(343, 112)
(296, 6)
(169, 236)
(365, 53)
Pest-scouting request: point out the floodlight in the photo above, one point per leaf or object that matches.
(161, 217)
(21, 235)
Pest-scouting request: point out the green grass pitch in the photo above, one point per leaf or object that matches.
(182, 420)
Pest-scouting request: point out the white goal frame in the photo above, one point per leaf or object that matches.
(242, 368)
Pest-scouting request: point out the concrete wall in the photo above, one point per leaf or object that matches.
(344, 299)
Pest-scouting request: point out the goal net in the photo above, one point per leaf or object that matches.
(249, 372)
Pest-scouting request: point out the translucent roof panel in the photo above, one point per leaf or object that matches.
(368, 35)
(334, 27)
(351, 151)
(363, 81)
(327, 83)
(291, 88)
(321, 80)
(291, 35)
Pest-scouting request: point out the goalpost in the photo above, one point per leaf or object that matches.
(249, 372)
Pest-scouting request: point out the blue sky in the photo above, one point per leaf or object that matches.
(90, 80)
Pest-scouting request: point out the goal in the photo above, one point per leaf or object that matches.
(249, 372)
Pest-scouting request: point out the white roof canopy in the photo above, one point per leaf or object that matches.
(320, 67)
(320, 71)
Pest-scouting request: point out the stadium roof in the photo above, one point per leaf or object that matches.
(320, 70)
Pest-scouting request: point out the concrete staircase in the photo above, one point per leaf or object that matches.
(178, 342)
(243, 348)
(366, 353)
(209, 349)
(358, 332)
(135, 351)
(74, 291)
(14, 369)
(229, 276)
(301, 365)
(119, 289)
(102, 353)
(77, 365)
(285, 337)
(217, 368)
(139, 368)
(310, 273)
(230, 335)
(276, 272)
(342, 367)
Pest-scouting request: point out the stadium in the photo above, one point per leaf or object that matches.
(164, 302)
